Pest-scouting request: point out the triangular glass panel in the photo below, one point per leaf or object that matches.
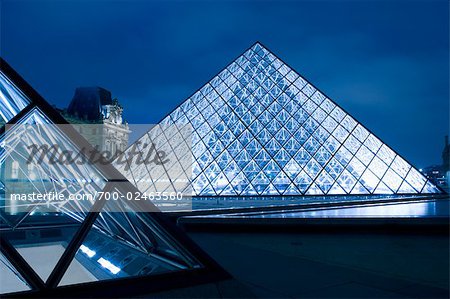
(270, 190)
(231, 171)
(292, 168)
(292, 190)
(314, 190)
(260, 182)
(336, 190)
(249, 190)
(253, 147)
(302, 157)
(313, 168)
(378, 167)
(415, 179)
(430, 188)
(127, 248)
(334, 168)
(369, 180)
(382, 189)
(292, 146)
(392, 180)
(347, 181)
(359, 189)
(208, 190)
(12, 281)
(264, 136)
(322, 156)
(271, 169)
(281, 182)
(324, 181)
(272, 146)
(303, 181)
(406, 188)
(251, 170)
(228, 190)
(240, 182)
(12, 100)
(219, 183)
(282, 157)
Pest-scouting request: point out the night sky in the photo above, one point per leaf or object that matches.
(385, 62)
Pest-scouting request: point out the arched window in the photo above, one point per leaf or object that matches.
(31, 172)
(15, 170)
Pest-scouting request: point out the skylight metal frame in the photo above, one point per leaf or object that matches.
(209, 271)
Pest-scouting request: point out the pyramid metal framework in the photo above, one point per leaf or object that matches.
(82, 249)
(262, 129)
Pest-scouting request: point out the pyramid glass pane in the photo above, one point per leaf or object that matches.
(44, 253)
(11, 100)
(53, 240)
(292, 139)
(11, 281)
(141, 253)
(24, 173)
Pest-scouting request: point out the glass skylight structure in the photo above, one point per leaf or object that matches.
(11, 100)
(91, 246)
(261, 129)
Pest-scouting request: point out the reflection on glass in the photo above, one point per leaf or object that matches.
(11, 281)
(41, 248)
(23, 174)
(11, 100)
(123, 243)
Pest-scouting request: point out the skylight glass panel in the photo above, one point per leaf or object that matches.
(12, 100)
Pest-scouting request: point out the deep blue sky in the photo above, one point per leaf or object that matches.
(386, 62)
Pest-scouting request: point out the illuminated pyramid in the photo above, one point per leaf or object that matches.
(259, 128)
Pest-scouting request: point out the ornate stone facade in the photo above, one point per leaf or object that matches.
(98, 118)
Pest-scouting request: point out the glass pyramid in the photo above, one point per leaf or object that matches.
(47, 244)
(259, 128)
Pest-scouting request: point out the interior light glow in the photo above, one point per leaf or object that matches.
(108, 265)
(86, 250)
(281, 149)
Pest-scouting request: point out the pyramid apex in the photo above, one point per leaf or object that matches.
(257, 46)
